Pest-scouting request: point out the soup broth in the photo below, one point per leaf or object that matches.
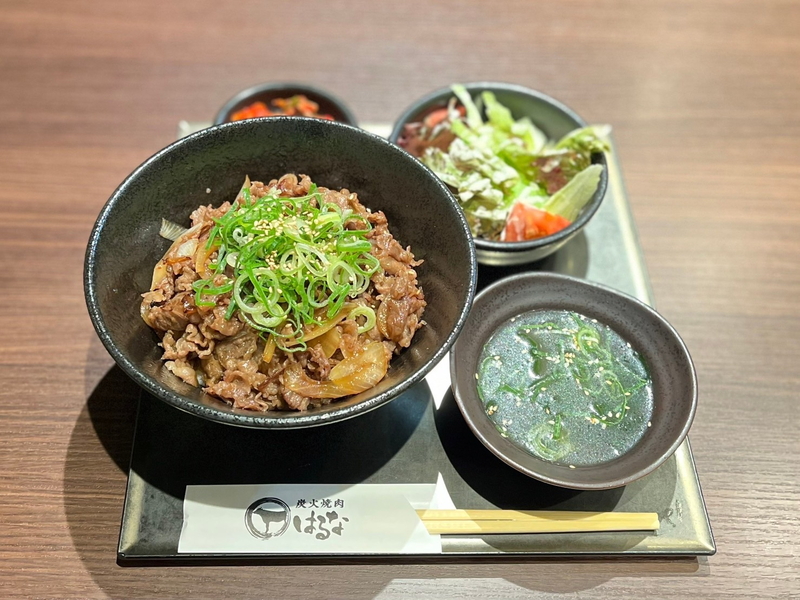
(564, 387)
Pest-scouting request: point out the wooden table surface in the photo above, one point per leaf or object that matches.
(704, 98)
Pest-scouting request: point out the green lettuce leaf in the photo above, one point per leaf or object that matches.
(497, 114)
(569, 200)
(473, 114)
(586, 140)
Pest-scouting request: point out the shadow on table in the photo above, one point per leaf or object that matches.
(94, 480)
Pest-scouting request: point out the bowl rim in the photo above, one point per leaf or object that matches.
(262, 420)
(221, 116)
(598, 158)
(492, 439)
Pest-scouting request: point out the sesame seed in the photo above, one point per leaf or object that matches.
(551, 422)
(476, 375)
(603, 425)
(572, 466)
(649, 424)
(610, 414)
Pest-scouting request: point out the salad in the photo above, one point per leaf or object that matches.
(512, 182)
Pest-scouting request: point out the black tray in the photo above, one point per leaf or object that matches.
(410, 440)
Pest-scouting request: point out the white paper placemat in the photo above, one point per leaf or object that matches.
(310, 518)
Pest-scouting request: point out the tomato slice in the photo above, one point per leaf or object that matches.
(527, 223)
(433, 118)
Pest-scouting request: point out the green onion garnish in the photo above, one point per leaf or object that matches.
(288, 262)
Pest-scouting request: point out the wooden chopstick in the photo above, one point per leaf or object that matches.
(533, 521)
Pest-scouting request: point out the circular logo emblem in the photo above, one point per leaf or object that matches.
(267, 517)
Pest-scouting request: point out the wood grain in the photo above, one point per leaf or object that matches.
(703, 98)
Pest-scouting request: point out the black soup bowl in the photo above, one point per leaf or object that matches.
(208, 167)
(668, 361)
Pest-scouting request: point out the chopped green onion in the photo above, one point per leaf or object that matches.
(289, 263)
(367, 313)
(204, 287)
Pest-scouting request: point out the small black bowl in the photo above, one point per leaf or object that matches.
(208, 167)
(659, 345)
(555, 120)
(266, 92)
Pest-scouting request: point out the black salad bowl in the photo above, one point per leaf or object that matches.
(555, 120)
(208, 167)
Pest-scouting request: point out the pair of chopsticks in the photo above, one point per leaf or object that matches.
(454, 522)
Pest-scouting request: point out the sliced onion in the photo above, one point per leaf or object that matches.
(160, 270)
(353, 375)
(269, 350)
(315, 331)
(201, 259)
(171, 231)
(355, 362)
(329, 341)
(187, 248)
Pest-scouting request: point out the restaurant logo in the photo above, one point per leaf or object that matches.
(267, 518)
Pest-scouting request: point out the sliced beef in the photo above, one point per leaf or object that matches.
(401, 301)
(234, 351)
(318, 365)
(224, 356)
(181, 368)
